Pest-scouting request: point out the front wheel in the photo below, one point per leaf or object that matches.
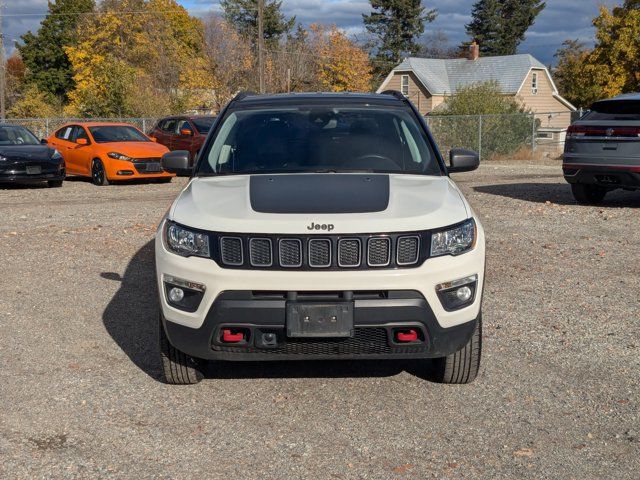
(54, 183)
(588, 194)
(178, 368)
(98, 173)
(461, 366)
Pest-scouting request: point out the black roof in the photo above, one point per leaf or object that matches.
(254, 100)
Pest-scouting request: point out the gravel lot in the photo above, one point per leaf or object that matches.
(557, 396)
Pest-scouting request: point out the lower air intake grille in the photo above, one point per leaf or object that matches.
(366, 341)
(231, 251)
(378, 252)
(290, 252)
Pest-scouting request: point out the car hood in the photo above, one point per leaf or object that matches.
(26, 152)
(267, 204)
(136, 149)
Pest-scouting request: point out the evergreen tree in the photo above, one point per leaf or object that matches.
(499, 26)
(243, 15)
(43, 53)
(396, 25)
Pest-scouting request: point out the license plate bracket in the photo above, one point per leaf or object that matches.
(34, 169)
(319, 319)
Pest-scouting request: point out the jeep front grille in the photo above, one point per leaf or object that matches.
(316, 252)
(290, 252)
(408, 250)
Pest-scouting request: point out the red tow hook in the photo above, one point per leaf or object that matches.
(410, 335)
(229, 337)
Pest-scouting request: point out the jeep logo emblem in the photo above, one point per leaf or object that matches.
(317, 226)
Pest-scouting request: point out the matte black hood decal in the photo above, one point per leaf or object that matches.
(319, 193)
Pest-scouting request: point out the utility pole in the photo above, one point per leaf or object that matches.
(3, 67)
(260, 43)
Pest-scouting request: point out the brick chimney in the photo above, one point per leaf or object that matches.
(474, 51)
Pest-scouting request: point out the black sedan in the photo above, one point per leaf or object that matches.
(23, 159)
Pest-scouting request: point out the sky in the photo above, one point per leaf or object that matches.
(559, 21)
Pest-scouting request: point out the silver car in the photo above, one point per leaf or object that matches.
(602, 149)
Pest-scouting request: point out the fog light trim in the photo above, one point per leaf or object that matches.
(454, 294)
(191, 297)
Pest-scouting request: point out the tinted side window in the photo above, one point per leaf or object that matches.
(80, 133)
(183, 124)
(168, 125)
(65, 133)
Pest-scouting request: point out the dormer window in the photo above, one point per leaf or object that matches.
(534, 83)
(404, 85)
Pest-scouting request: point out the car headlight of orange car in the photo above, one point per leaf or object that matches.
(119, 156)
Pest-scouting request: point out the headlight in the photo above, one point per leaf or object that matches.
(119, 156)
(454, 241)
(3, 159)
(185, 242)
(56, 155)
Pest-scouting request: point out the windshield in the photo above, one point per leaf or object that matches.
(312, 139)
(203, 124)
(117, 133)
(13, 135)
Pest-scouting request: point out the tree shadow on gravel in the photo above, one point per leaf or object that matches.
(131, 318)
(557, 193)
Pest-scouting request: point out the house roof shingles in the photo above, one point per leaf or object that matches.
(445, 76)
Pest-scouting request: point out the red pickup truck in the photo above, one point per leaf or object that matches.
(183, 133)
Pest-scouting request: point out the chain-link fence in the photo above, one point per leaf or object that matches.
(517, 136)
(514, 136)
(43, 127)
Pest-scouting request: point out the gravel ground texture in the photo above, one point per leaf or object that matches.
(557, 396)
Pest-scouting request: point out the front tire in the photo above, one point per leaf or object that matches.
(178, 368)
(462, 366)
(54, 183)
(164, 180)
(588, 194)
(98, 173)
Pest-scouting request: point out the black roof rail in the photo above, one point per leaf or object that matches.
(395, 93)
(241, 96)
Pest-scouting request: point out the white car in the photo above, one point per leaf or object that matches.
(320, 226)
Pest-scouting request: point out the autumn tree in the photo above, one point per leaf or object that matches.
(612, 67)
(44, 52)
(395, 26)
(150, 62)
(499, 26)
(342, 65)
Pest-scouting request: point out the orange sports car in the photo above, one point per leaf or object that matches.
(109, 152)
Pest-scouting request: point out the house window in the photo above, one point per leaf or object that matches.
(534, 83)
(404, 85)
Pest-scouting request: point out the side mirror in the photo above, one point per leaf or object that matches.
(462, 160)
(153, 139)
(43, 141)
(186, 132)
(176, 162)
(82, 141)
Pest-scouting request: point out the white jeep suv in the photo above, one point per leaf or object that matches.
(320, 226)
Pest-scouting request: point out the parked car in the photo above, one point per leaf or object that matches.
(109, 151)
(602, 149)
(321, 226)
(183, 133)
(23, 159)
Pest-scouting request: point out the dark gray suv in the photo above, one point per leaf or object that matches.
(602, 149)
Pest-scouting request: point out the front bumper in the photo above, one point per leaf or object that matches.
(23, 177)
(192, 331)
(375, 322)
